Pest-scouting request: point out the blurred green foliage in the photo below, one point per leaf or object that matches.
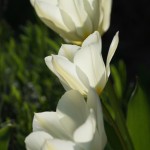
(5, 136)
(26, 84)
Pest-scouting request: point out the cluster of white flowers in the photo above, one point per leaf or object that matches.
(77, 123)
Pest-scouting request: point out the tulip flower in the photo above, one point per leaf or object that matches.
(82, 67)
(74, 20)
(77, 124)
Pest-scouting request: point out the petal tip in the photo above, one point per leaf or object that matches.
(48, 58)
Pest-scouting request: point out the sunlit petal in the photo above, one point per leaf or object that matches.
(73, 108)
(57, 144)
(49, 63)
(49, 122)
(93, 102)
(36, 140)
(68, 51)
(67, 71)
(93, 39)
(92, 64)
(74, 20)
(106, 8)
(111, 52)
(86, 131)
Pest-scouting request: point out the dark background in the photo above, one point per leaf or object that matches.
(130, 17)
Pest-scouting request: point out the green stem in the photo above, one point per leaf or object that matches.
(114, 125)
(119, 117)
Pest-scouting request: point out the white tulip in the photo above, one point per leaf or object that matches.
(77, 124)
(74, 20)
(82, 67)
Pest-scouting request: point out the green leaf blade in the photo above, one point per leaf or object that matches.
(5, 137)
(138, 119)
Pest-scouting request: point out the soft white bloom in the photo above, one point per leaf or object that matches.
(74, 20)
(77, 124)
(82, 67)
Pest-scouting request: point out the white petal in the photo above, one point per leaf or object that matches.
(94, 38)
(92, 9)
(106, 6)
(49, 122)
(57, 144)
(102, 82)
(67, 71)
(65, 85)
(73, 110)
(90, 61)
(93, 102)
(67, 34)
(73, 9)
(68, 51)
(86, 131)
(69, 22)
(46, 9)
(86, 26)
(32, 2)
(99, 141)
(111, 52)
(51, 2)
(76, 18)
(48, 61)
(82, 76)
(36, 140)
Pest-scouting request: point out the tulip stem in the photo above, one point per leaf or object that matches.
(119, 117)
(113, 124)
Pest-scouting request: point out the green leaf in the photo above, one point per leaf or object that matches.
(119, 74)
(138, 119)
(117, 81)
(4, 137)
(113, 140)
(119, 122)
